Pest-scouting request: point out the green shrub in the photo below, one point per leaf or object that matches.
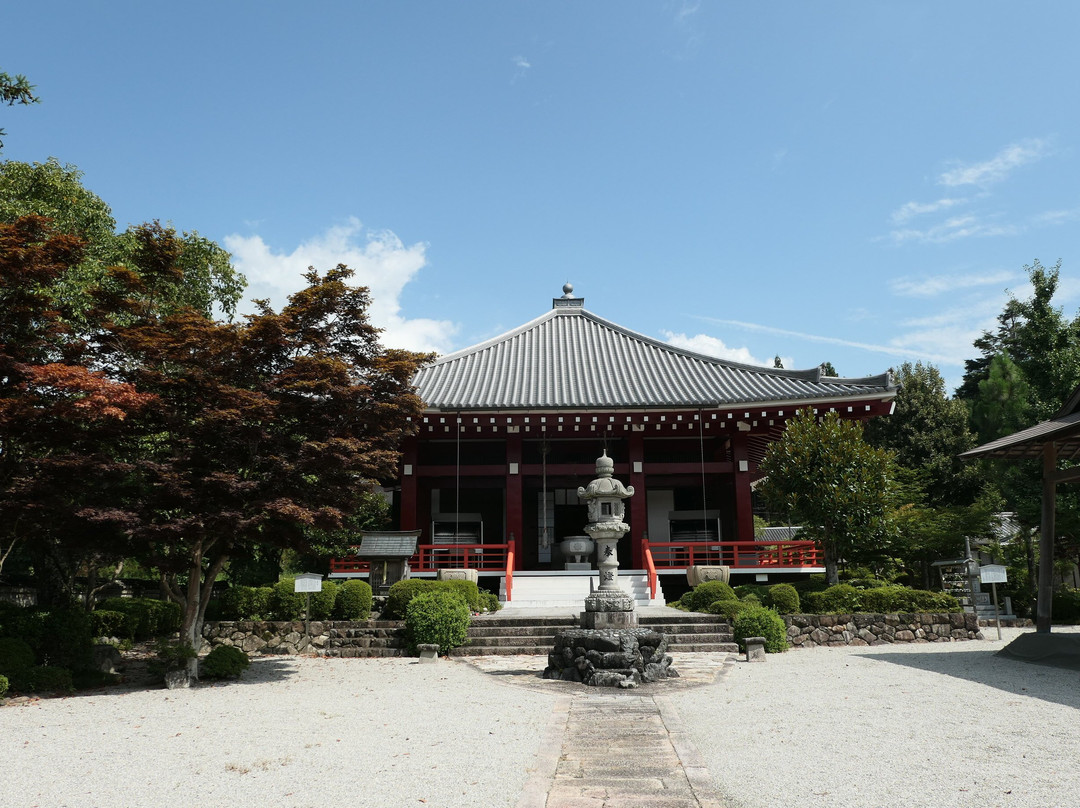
(66, 641)
(815, 583)
(171, 656)
(761, 622)
(784, 598)
(867, 583)
(437, 616)
(490, 602)
(705, 593)
(107, 623)
(353, 600)
(760, 592)
(752, 599)
(16, 656)
(1065, 607)
(401, 593)
(729, 608)
(839, 599)
(322, 602)
(48, 679)
(149, 618)
(223, 662)
(4, 684)
(285, 603)
(244, 603)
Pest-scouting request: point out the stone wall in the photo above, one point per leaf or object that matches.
(812, 630)
(338, 638)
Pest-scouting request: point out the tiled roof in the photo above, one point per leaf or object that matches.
(570, 358)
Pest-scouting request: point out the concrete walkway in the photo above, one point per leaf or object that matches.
(616, 748)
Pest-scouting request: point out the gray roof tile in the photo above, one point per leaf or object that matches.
(570, 358)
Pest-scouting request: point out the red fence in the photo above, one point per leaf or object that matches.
(667, 555)
(434, 557)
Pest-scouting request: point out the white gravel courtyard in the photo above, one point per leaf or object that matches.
(906, 725)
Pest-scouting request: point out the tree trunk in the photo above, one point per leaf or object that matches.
(832, 562)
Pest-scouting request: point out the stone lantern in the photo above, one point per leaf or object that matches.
(608, 606)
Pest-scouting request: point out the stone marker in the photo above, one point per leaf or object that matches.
(755, 649)
(429, 652)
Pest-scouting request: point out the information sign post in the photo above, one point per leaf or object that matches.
(994, 574)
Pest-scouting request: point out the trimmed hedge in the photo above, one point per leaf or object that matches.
(106, 623)
(437, 616)
(245, 603)
(148, 617)
(403, 592)
(842, 598)
(846, 599)
(285, 604)
(698, 598)
(761, 622)
(730, 608)
(353, 601)
(322, 602)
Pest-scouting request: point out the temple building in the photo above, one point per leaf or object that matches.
(513, 426)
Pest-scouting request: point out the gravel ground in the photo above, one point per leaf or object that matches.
(935, 725)
(292, 732)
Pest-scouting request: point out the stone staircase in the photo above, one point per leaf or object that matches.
(544, 590)
(525, 634)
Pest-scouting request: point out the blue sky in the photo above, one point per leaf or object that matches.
(855, 182)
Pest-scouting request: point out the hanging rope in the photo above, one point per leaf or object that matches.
(704, 499)
(545, 540)
(457, 484)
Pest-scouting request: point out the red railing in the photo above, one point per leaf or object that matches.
(650, 567)
(736, 554)
(510, 572)
(433, 557)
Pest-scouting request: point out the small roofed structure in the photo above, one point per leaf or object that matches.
(388, 552)
(1050, 441)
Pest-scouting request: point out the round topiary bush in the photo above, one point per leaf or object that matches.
(353, 601)
(784, 598)
(439, 617)
(285, 603)
(401, 593)
(698, 598)
(839, 599)
(490, 602)
(761, 622)
(729, 608)
(223, 662)
(322, 602)
(245, 602)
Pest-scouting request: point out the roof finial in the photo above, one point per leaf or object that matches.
(568, 290)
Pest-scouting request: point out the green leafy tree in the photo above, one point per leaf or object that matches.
(926, 431)
(204, 278)
(15, 90)
(827, 369)
(825, 476)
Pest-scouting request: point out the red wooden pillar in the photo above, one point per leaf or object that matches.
(409, 517)
(639, 512)
(744, 514)
(515, 520)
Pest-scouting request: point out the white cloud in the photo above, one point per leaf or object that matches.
(521, 63)
(911, 209)
(1055, 217)
(380, 260)
(954, 228)
(931, 287)
(896, 347)
(711, 346)
(997, 167)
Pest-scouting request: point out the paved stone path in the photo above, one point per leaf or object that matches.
(615, 748)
